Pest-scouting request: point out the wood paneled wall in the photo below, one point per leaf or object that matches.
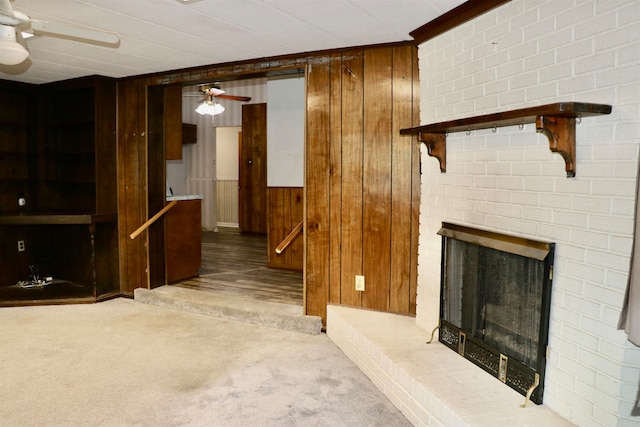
(285, 211)
(362, 180)
(362, 177)
(132, 183)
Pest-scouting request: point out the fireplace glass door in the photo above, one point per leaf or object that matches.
(495, 303)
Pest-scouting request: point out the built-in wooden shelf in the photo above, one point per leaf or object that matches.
(556, 121)
(56, 219)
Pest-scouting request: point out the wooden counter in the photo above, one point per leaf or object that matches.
(183, 239)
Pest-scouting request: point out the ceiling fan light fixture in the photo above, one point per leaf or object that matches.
(11, 52)
(209, 108)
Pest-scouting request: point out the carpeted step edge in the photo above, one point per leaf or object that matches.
(304, 324)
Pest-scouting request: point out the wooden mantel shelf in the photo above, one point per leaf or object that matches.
(556, 121)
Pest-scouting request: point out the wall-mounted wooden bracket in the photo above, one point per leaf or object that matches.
(561, 132)
(436, 147)
(556, 121)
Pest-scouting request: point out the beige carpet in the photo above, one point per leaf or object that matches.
(124, 363)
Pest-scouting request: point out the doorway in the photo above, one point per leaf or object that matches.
(232, 261)
(227, 140)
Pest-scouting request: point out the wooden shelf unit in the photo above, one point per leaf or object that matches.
(17, 122)
(556, 121)
(60, 147)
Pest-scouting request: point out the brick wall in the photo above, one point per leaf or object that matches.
(525, 53)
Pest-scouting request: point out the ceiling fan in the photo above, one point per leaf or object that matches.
(208, 104)
(13, 48)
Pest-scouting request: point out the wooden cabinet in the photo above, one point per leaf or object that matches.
(67, 175)
(78, 251)
(172, 114)
(183, 240)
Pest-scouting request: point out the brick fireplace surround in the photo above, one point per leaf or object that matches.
(524, 53)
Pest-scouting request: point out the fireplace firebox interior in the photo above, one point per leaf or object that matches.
(495, 303)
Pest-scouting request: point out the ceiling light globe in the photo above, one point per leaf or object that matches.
(12, 53)
(209, 108)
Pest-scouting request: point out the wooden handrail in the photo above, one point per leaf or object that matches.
(153, 219)
(287, 240)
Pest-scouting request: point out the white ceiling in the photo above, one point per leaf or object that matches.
(163, 35)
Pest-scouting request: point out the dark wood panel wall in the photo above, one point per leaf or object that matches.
(362, 177)
(285, 211)
(361, 201)
(162, 121)
(132, 183)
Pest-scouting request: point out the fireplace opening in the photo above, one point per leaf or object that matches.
(495, 303)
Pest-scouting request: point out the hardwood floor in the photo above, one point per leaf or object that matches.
(236, 263)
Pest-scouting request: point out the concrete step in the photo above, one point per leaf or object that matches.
(233, 307)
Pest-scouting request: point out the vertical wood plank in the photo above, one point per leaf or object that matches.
(275, 230)
(316, 230)
(142, 145)
(416, 191)
(297, 215)
(401, 181)
(335, 180)
(272, 227)
(285, 221)
(352, 169)
(132, 193)
(377, 177)
(156, 163)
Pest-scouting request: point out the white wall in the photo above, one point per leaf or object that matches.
(285, 132)
(533, 52)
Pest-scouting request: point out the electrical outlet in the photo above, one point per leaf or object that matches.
(360, 283)
(21, 247)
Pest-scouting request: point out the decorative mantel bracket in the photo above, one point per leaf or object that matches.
(561, 132)
(556, 121)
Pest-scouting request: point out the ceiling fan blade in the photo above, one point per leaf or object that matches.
(215, 91)
(234, 97)
(6, 9)
(75, 32)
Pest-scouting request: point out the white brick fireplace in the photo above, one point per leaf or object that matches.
(521, 54)
(527, 53)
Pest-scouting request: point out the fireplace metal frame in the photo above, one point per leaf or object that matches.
(527, 380)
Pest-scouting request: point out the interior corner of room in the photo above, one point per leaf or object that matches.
(501, 123)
